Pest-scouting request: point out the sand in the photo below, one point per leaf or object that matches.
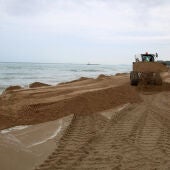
(37, 84)
(10, 88)
(114, 125)
(25, 147)
(37, 105)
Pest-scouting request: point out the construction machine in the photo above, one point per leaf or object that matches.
(147, 70)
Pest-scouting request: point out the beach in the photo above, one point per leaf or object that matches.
(24, 74)
(88, 123)
(84, 85)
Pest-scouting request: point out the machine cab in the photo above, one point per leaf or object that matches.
(148, 57)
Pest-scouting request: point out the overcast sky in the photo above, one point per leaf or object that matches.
(81, 31)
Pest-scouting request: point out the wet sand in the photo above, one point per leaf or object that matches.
(108, 125)
(25, 147)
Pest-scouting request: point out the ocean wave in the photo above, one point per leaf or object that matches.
(74, 70)
(23, 73)
(86, 70)
(90, 70)
(2, 88)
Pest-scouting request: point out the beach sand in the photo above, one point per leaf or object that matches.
(101, 123)
(24, 147)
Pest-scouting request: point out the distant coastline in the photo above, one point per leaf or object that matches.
(166, 62)
(92, 63)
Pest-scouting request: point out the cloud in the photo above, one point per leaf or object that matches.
(20, 7)
(94, 21)
(91, 16)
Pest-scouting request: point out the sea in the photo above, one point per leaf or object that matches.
(52, 73)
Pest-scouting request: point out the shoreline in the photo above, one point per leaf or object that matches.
(23, 74)
(41, 84)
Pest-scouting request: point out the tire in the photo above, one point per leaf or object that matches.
(134, 78)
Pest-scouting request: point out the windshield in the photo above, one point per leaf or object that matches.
(147, 58)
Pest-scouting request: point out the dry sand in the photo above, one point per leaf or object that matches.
(37, 105)
(114, 125)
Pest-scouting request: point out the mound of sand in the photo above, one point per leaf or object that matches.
(5, 121)
(37, 84)
(84, 96)
(11, 88)
(102, 76)
(86, 103)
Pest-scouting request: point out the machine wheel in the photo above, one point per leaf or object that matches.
(134, 78)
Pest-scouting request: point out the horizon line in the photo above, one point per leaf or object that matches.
(58, 63)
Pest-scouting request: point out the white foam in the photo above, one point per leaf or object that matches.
(121, 108)
(109, 113)
(15, 128)
(48, 138)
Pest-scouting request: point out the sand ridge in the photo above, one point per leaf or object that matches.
(36, 105)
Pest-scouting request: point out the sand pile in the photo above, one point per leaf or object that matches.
(11, 88)
(82, 96)
(102, 76)
(85, 96)
(86, 103)
(5, 121)
(37, 84)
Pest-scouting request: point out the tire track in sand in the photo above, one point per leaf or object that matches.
(137, 138)
(80, 131)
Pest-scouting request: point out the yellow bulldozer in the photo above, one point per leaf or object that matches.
(147, 70)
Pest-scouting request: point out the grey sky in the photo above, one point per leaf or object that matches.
(81, 31)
